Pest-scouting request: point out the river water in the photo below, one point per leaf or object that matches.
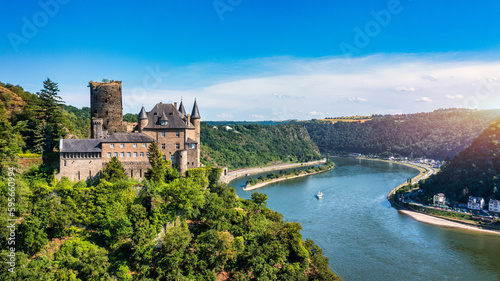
(366, 239)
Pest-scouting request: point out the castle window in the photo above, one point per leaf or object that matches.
(177, 146)
(64, 163)
(163, 134)
(163, 123)
(122, 145)
(192, 146)
(122, 154)
(129, 154)
(116, 154)
(177, 134)
(162, 146)
(142, 154)
(144, 145)
(164, 157)
(147, 153)
(135, 154)
(112, 145)
(172, 158)
(109, 154)
(135, 145)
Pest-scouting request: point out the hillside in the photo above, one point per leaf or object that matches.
(474, 171)
(9, 100)
(254, 145)
(439, 134)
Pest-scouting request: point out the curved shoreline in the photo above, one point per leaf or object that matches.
(262, 184)
(256, 170)
(426, 218)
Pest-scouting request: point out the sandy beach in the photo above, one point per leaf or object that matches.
(256, 170)
(443, 222)
(262, 184)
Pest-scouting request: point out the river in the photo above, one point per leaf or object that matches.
(366, 239)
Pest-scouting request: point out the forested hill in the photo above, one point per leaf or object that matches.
(238, 146)
(473, 172)
(439, 134)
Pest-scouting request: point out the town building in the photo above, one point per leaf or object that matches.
(176, 132)
(475, 203)
(494, 205)
(439, 200)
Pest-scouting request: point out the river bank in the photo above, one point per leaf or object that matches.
(444, 222)
(264, 183)
(256, 170)
(426, 172)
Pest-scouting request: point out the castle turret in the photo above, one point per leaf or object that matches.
(96, 126)
(195, 120)
(143, 119)
(181, 109)
(106, 103)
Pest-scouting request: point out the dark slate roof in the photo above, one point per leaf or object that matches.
(190, 140)
(127, 137)
(85, 145)
(196, 113)
(182, 110)
(174, 117)
(142, 114)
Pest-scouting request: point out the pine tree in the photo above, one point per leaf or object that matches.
(114, 171)
(50, 111)
(39, 140)
(158, 166)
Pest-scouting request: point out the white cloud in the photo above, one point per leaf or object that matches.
(458, 97)
(428, 77)
(424, 99)
(357, 99)
(333, 86)
(225, 116)
(257, 116)
(316, 113)
(405, 89)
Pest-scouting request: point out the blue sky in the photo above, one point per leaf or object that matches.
(260, 60)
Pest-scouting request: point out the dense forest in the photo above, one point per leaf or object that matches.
(168, 227)
(473, 172)
(438, 135)
(251, 145)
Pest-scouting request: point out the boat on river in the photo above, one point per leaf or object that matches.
(319, 195)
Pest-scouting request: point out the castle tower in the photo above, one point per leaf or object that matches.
(181, 109)
(195, 120)
(106, 103)
(143, 119)
(96, 126)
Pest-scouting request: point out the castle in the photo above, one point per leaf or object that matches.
(177, 135)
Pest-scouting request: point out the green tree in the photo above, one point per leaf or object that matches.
(259, 198)
(158, 166)
(50, 111)
(38, 140)
(114, 171)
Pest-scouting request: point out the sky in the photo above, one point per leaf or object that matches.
(260, 60)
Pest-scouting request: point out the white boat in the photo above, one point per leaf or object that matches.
(319, 195)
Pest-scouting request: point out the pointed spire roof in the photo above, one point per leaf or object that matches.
(163, 117)
(142, 114)
(196, 113)
(181, 109)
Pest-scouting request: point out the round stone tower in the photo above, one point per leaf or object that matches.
(106, 103)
